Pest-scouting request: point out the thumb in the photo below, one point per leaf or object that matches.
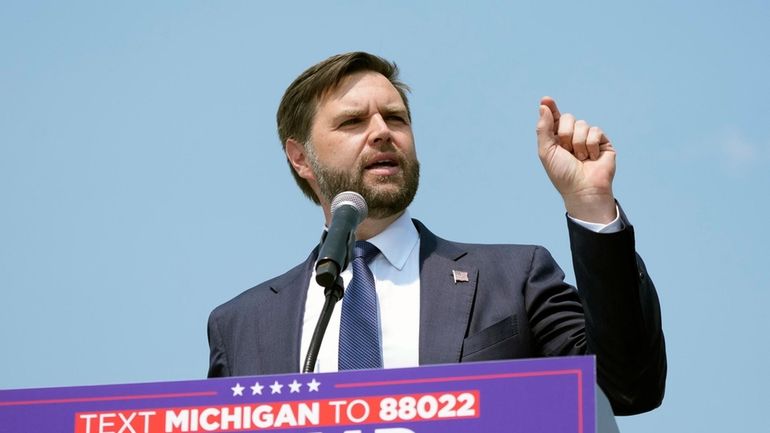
(544, 128)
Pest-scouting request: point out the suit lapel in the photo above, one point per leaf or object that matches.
(446, 298)
(287, 301)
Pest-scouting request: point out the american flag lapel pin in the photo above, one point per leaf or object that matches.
(460, 276)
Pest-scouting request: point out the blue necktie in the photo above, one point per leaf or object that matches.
(359, 325)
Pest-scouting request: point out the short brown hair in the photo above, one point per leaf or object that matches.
(298, 105)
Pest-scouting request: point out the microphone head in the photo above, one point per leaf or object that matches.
(350, 198)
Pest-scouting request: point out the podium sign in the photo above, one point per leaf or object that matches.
(533, 395)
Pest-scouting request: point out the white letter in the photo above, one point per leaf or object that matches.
(147, 415)
(337, 405)
(262, 416)
(308, 414)
(127, 422)
(204, 419)
(285, 416)
(234, 418)
(103, 423)
(88, 418)
(180, 421)
(361, 403)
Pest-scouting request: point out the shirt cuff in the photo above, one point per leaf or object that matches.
(614, 226)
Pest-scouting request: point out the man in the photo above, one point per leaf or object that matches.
(345, 125)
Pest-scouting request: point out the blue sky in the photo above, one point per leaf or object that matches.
(143, 184)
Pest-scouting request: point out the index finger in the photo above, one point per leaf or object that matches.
(551, 104)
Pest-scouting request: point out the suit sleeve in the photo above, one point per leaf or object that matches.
(554, 310)
(622, 318)
(218, 365)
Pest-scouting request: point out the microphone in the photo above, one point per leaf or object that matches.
(348, 210)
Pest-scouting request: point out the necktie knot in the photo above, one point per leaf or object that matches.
(365, 250)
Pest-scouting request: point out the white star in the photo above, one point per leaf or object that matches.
(256, 389)
(275, 388)
(295, 386)
(313, 385)
(237, 390)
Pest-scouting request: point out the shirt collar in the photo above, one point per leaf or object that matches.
(397, 241)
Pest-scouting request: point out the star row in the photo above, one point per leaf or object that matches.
(276, 387)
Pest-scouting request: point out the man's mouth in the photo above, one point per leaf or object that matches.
(383, 163)
(383, 166)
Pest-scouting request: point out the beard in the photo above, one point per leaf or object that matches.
(385, 195)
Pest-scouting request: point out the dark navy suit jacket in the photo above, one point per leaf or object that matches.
(515, 304)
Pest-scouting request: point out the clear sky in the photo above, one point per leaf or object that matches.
(142, 181)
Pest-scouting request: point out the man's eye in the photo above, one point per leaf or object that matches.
(396, 118)
(349, 122)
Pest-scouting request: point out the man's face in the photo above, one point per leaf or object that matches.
(361, 140)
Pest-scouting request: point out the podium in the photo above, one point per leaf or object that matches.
(532, 395)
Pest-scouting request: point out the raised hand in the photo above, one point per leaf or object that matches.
(580, 161)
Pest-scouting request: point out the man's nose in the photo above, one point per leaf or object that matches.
(380, 131)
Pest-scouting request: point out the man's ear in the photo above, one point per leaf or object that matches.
(297, 156)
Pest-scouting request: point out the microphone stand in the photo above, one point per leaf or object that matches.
(333, 294)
